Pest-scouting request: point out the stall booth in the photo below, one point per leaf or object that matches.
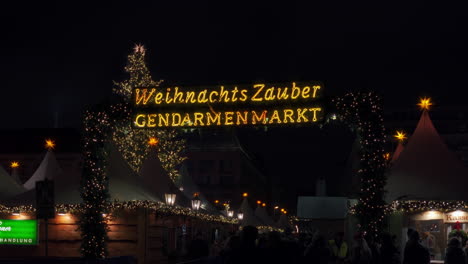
(426, 188)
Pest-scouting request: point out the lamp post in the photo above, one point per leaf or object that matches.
(170, 198)
(230, 213)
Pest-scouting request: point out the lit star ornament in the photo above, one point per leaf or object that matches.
(49, 144)
(386, 156)
(14, 164)
(153, 141)
(139, 49)
(400, 135)
(425, 103)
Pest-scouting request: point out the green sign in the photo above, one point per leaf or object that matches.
(18, 232)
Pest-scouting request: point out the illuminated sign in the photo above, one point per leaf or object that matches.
(457, 216)
(260, 104)
(18, 232)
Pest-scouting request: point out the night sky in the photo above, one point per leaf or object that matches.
(58, 56)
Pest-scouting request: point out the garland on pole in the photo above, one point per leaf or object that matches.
(363, 113)
(94, 186)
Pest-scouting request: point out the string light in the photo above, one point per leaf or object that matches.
(161, 209)
(362, 111)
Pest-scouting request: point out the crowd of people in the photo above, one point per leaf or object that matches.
(248, 246)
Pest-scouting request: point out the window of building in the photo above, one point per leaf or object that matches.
(206, 166)
(225, 166)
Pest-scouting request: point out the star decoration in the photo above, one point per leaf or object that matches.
(139, 48)
(425, 103)
(153, 141)
(14, 164)
(49, 144)
(400, 135)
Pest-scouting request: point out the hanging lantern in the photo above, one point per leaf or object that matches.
(170, 198)
(230, 213)
(196, 203)
(240, 216)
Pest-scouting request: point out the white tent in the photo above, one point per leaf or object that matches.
(124, 183)
(188, 187)
(249, 215)
(262, 215)
(49, 168)
(9, 187)
(283, 222)
(157, 180)
(66, 186)
(427, 169)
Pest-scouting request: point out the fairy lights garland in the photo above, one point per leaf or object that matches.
(94, 185)
(362, 112)
(161, 209)
(413, 206)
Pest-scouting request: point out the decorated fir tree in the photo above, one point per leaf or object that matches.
(362, 111)
(133, 142)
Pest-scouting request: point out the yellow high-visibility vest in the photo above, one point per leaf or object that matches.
(341, 252)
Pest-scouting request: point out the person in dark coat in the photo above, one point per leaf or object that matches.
(388, 252)
(455, 254)
(415, 253)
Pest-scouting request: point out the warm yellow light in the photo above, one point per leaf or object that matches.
(14, 164)
(153, 141)
(49, 144)
(285, 212)
(216, 201)
(425, 103)
(282, 210)
(263, 204)
(458, 213)
(400, 135)
(386, 156)
(245, 194)
(259, 202)
(276, 207)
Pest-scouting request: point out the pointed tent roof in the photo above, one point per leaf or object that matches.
(9, 187)
(262, 215)
(283, 222)
(427, 169)
(49, 168)
(189, 187)
(249, 215)
(66, 186)
(157, 180)
(397, 152)
(124, 183)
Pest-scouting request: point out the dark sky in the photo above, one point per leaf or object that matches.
(62, 55)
